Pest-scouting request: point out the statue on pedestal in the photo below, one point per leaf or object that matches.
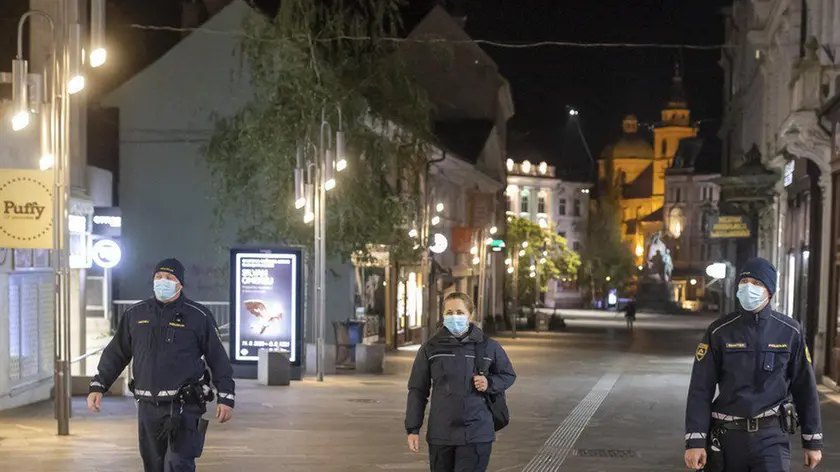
(654, 291)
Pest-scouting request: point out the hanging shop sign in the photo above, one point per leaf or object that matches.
(26, 221)
(730, 227)
(107, 221)
(106, 253)
(266, 303)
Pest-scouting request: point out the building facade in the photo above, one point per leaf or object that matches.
(691, 206)
(535, 193)
(779, 75)
(637, 170)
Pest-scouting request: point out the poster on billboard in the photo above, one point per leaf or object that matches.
(266, 303)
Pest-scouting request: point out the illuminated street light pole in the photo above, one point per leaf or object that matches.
(62, 77)
(311, 196)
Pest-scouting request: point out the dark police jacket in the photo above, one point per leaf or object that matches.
(167, 343)
(459, 414)
(757, 360)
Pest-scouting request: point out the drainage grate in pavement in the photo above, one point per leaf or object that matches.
(362, 400)
(608, 453)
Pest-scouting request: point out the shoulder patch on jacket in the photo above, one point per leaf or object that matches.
(702, 349)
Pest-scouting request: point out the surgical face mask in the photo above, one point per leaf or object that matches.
(165, 289)
(751, 296)
(456, 324)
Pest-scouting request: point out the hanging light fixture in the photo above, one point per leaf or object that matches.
(329, 169)
(300, 192)
(20, 94)
(340, 158)
(308, 214)
(47, 160)
(75, 81)
(98, 54)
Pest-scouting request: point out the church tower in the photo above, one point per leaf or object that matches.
(675, 125)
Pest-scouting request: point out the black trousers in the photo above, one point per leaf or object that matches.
(177, 455)
(468, 458)
(766, 450)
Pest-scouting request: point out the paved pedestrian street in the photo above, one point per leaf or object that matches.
(593, 398)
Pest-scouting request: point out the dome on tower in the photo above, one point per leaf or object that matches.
(631, 145)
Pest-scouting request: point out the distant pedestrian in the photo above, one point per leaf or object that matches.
(167, 336)
(757, 360)
(630, 314)
(461, 427)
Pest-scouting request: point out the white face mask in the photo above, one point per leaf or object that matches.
(751, 296)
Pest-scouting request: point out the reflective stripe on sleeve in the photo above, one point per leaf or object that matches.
(695, 436)
(812, 437)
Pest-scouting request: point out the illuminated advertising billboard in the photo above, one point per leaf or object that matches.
(266, 303)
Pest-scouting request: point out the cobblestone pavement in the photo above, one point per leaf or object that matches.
(593, 398)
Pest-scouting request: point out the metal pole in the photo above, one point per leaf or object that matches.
(69, 10)
(482, 277)
(425, 263)
(515, 290)
(316, 270)
(321, 267)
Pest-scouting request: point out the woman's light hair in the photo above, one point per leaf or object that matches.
(464, 298)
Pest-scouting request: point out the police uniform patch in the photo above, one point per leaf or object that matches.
(808, 354)
(736, 345)
(701, 351)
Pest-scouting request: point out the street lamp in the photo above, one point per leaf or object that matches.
(320, 172)
(49, 98)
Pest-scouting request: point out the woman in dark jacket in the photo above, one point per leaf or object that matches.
(460, 432)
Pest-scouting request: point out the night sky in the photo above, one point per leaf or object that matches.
(603, 83)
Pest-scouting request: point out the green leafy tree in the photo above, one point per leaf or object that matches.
(607, 260)
(546, 250)
(303, 64)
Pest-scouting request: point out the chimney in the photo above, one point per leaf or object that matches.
(215, 6)
(193, 14)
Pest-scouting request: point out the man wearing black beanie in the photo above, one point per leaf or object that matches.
(166, 336)
(758, 359)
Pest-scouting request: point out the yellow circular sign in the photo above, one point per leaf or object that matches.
(25, 209)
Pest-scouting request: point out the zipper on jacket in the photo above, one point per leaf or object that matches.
(153, 387)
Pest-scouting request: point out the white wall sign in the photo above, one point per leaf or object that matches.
(716, 270)
(439, 243)
(106, 253)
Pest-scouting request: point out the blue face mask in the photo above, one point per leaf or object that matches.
(456, 324)
(165, 289)
(751, 296)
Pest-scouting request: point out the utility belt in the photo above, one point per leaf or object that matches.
(783, 417)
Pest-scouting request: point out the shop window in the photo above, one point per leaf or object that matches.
(30, 326)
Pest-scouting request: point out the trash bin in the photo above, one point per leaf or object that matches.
(348, 334)
(541, 321)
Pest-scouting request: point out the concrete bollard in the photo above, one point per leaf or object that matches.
(329, 359)
(273, 368)
(370, 359)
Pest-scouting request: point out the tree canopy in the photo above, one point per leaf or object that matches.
(607, 260)
(300, 67)
(546, 250)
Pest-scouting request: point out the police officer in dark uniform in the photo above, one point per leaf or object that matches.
(758, 360)
(167, 336)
